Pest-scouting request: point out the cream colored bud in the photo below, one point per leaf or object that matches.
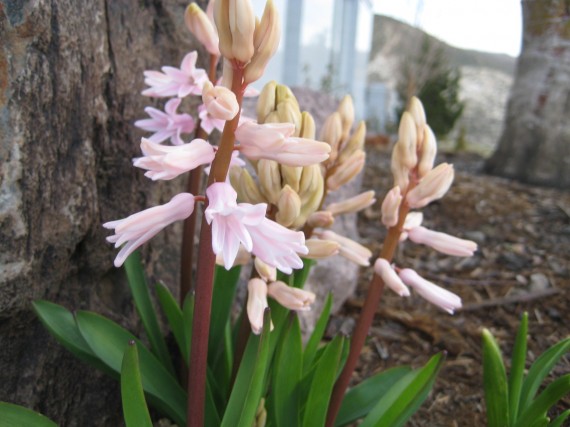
(242, 258)
(407, 140)
(331, 133)
(432, 187)
(310, 202)
(290, 297)
(265, 40)
(323, 219)
(348, 248)
(266, 102)
(220, 102)
(256, 303)
(234, 174)
(311, 180)
(265, 271)
(269, 179)
(400, 172)
(288, 112)
(354, 204)
(308, 129)
(391, 207)
(350, 168)
(227, 74)
(289, 205)
(222, 20)
(200, 25)
(320, 249)
(346, 110)
(284, 93)
(272, 117)
(291, 176)
(235, 22)
(416, 109)
(428, 152)
(356, 142)
(247, 189)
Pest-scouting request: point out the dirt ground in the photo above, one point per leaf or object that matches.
(523, 264)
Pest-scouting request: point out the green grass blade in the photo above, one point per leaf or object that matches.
(404, 398)
(517, 368)
(17, 416)
(539, 370)
(287, 372)
(147, 314)
(109, 341)
(175, 319)
(495, 383)
(248, 387)
(322, 384)
(300, 276)
(316, 336)
(225, 285)
(360, 400)
(539, 407)
(558, 422)
(135, 410)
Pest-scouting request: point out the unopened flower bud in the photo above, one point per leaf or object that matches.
(290, 297)
(289, 205)
(407, 141)
(442, 242)
(431, 292)
(235, 22)
(200, 25)
(413, 220)
(320, 249)
(390, 278)
(348, 248)
(354, 204)
(433, 186)
(265, 271)
(291, 176)
(416, 109)
(256, 303)
(323, 219)
(307, 126)
(247, 189)
(331, 133)
(288, 112)
(346, 111)
(427, 153)
(266, 101)
(391, 207)
(349, 169)
(400, 172)
(220, 102)
(265, 41)
(269, 179)
(355, 143)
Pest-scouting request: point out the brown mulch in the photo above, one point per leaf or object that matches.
(522, 265)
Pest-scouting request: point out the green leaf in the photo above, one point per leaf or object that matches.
(322, 384)
(135, 411)
(225, 285)
(360, 400)
(61, 324)
(404, 398)
(495, 383)
(317, 335)
(143, 303)
(300, 276)
(173, 314)
(517, 368)
(288, 368)
(248, 386)
(539, 370)
(17, 416)
(560, 420)
(109, 341)
(540, 406)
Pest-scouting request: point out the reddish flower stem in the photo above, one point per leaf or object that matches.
(205, 274)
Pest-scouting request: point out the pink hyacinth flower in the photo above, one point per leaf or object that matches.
(208, 122)
(142, 226)
(290, 297)
(220, 102)
(244, 223)
(256, 304)
(180, 82)
(349, 249)
(274, 141)
(431, 292)
(442, 242)
(390, 278)
(167, 124)
(413, 219)
(167, 162)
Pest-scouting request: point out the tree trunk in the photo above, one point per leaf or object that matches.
(535, 144)
(70, 83)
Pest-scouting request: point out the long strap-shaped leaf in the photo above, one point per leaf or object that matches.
(558, 422)
(143, 303)
(495, 383)
(540, 406)
(316, 336)
(135, 410)
(403, 398)
(517, 368)
(174, 316)
(248, 386)
(17, 416)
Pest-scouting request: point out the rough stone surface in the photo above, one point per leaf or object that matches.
(70, 82)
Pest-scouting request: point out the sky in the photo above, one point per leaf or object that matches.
(486, 25)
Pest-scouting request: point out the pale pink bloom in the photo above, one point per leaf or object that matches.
(236, 160)
(208, 122)
(220, 102)
(413, 219)
(349, 249)
(274, 141)
(442, 242)
(290, 297)
(256, 304)
(433, 186)
(431, 292)
(142, 226)
(391, 207)
(180, 82)
(167, 124)
(390, 278)
(244, 223)
(167, 162)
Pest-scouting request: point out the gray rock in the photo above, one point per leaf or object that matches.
(539, 282)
